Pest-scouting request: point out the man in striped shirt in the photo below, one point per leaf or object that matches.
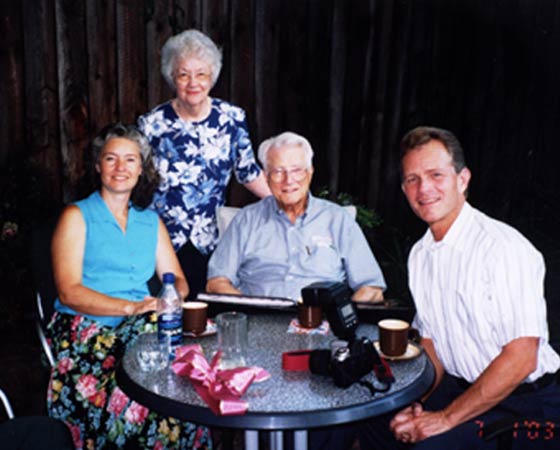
(477, 285)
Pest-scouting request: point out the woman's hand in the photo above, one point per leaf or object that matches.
(134, 308)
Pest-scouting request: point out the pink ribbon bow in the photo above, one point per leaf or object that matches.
(220, 389)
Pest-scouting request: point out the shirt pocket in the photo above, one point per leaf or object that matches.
(324, 260)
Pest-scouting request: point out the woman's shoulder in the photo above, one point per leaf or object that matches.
(165, 106)
(71, 217)
(91, 201)
(158, 121)
(227, 109)
(161, 111)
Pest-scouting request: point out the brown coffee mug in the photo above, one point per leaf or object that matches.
(194, 317)
(393, 336)
(310, 316)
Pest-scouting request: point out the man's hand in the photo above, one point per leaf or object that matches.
(513, 365)
(221, 285)
(413, 424)
(370, 294)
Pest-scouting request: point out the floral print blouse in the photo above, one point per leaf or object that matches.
(195, 161)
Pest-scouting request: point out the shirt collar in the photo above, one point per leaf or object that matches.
(105, 215)
(453, 236)
(311, 207)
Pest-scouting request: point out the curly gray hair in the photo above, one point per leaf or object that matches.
(186, 44)
(287, 138)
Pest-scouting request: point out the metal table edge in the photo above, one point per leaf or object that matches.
(276, 421)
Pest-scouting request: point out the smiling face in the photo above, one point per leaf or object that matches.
(434, 190)
(119, 165)
(193, 80)
(289, 178)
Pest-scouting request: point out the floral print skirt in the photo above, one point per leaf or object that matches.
(83, 391)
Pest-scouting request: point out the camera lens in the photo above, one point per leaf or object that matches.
(341, 354)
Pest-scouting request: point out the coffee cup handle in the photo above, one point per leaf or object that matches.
(414, 335)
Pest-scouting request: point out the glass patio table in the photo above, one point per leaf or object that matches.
(288, 400)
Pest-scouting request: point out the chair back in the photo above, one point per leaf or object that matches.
(6, 404)
(41, 266)
(45, 288)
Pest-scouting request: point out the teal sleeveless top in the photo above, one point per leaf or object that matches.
(115, 263)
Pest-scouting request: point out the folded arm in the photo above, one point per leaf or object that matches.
(221, 285)
(517, 360)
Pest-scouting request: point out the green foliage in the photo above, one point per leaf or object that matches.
(367, 218)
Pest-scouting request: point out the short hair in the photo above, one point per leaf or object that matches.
(422, 135)
(148, 181)
(186, 44)
(285, 139)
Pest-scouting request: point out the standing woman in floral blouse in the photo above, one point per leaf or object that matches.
(198, 141)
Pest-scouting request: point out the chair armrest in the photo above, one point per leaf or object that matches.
(7, 405)
(40, 327)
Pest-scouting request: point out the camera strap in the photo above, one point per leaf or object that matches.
(299, 361)
(383, 373)
(382, 369)
(296, 360)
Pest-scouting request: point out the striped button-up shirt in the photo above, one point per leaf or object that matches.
(476, 290)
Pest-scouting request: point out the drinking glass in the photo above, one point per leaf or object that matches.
(232, 338)
(152, 353)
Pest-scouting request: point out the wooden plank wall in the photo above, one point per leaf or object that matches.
(351, 75)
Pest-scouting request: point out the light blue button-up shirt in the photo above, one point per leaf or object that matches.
(262, 253)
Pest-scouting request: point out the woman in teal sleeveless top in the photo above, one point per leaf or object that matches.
(105, 248)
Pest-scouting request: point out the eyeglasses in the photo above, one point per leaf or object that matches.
(296, 173)
(185, 77)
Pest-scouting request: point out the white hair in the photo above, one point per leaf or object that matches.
(187, 44)
(284, 140)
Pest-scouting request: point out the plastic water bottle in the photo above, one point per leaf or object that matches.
(170, 314)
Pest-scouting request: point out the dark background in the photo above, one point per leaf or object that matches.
(351, 75)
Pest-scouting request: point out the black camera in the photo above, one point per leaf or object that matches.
(335, 299)
(347, 364)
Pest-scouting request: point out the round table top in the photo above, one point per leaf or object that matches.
(287, 400)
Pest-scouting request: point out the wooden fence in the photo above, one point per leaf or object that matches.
(351, 75)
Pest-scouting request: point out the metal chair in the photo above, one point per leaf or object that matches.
(6, 404)
(40, 324)
(41, 265)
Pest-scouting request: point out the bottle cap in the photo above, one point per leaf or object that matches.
(169, 277)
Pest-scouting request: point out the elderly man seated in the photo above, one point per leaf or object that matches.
(286, 241)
